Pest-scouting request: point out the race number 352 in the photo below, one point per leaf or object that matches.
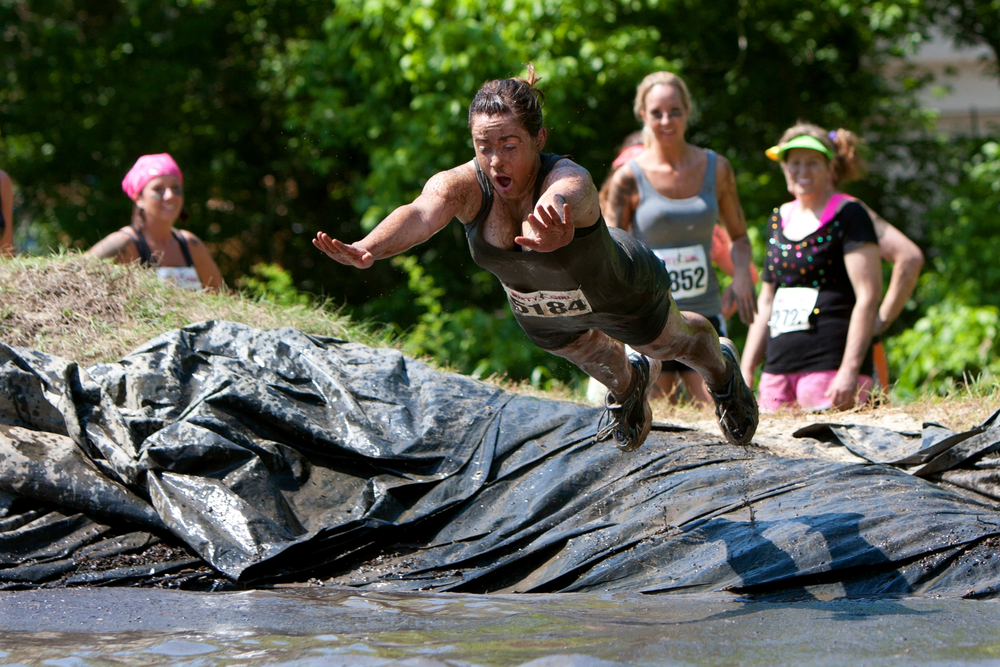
(548, 304)
(688, 269)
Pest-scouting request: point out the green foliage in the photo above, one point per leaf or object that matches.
(290, 116)
(87, 87)
(270, 282)
(952, 344)
(383, 94)
(961, 230)
(473, 341)
(953, 339)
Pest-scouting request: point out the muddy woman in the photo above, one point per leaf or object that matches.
(577, 288)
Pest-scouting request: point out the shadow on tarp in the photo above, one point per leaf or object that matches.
(278, 456)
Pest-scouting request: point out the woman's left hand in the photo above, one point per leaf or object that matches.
(740, 293)
(549, 231)
(843, 391)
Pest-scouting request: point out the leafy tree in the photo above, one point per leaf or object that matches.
(90, 86)
(293, 116)
(391, 81)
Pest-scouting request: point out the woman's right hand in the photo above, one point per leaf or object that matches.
(843, 390)
(351, 255)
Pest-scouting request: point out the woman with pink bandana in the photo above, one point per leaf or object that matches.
(156, 185)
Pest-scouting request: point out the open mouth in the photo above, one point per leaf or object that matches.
(503, 182)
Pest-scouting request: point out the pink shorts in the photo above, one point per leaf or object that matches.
(803, 389)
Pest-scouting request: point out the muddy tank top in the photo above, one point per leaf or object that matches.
(680, 233)
(601, 280)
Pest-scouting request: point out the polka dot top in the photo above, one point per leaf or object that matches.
(816, 261)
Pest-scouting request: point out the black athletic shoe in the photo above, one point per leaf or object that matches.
(629, 421)
(736, 407)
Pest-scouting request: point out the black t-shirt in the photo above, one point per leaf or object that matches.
(817, 261)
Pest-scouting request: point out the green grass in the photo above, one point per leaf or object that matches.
(88, 310)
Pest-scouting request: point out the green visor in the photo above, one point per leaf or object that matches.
(801, 141)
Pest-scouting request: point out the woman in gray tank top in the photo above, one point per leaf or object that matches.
(670, 197)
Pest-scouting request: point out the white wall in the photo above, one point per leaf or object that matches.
(964, 91)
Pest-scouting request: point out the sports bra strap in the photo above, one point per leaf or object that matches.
(184, 247)
(548, 162)
(141, 246)
(487, 190)
(146, 255)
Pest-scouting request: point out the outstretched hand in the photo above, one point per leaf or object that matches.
(549, 231)
(351, 255)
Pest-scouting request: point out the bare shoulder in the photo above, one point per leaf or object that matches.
(622, 198)
(624, 179)
(457, 189)
(119, 245)
(191, 238)
(572, 179)
(725, 175)
(456, 182)
(567, 168)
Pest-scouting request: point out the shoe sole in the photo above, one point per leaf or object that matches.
(747, 438)
(655, 366)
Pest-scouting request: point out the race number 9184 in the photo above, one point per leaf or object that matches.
(548, 303)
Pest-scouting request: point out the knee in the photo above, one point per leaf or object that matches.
(588, 347)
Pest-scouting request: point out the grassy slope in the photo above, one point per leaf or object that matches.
(90, 311)
(87, 310)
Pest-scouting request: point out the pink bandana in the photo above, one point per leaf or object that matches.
(146, 169)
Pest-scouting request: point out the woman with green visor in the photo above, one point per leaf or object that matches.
(821, 282)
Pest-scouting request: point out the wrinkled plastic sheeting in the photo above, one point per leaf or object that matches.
(274, 454)
(970, 460)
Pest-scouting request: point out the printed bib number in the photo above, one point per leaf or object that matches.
(688, 268)
(791, 309)
(182, 276)
(548, 304)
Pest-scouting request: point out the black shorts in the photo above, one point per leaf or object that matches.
(628, 287)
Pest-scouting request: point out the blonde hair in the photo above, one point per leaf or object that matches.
(848, 165)
(663, 79)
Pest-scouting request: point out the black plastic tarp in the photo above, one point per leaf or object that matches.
(277, 456)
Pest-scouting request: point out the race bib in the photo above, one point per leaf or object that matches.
(548, 304)
(688, 268)
(182, 276)
(791, 309)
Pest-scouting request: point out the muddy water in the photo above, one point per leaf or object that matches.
(317, 626)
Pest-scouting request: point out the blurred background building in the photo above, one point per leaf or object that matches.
(965, 89)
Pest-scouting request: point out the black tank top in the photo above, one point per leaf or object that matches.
(146, 256)
(626, 285)
(535, 270)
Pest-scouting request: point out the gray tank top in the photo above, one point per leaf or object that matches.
(680, 232)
